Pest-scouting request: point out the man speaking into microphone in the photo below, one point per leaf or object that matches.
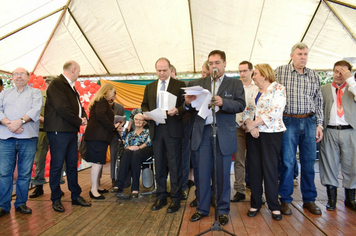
(230, 98)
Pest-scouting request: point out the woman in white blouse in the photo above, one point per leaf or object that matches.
(263, 120)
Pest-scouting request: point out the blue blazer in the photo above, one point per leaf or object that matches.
(232, 92)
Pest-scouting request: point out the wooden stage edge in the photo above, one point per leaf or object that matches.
(135, 217)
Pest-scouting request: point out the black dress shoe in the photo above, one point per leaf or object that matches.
(94, 197)
(23, 209)
(184, 194)
(238, 197)
(57, 206)
(122, 195)
(277, 217)
(252, 213)
(81, 202)
(194, 203)
(2, 212)
(196, 216)
(38, 192)
(173, 207)
(103, 191)
(223, 219)
(159, 204)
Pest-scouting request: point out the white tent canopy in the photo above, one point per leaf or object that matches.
(120, 37)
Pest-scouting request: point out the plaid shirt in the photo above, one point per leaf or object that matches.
(303, 91)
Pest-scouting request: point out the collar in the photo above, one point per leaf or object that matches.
(219, 80)
(69, 82)
(292, 69)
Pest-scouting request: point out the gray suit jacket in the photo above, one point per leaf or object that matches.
(232, 92)
(348, 104)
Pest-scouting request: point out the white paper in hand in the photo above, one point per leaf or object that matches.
(156, 115)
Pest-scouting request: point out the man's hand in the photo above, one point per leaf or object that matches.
(189, 98)
(218, 101)
(146, 117)
(319, 134)
(5, 122)
(172, 111)
(345, 73)
(84, 121)
(19, 130)
(41, 119)
(14, 125)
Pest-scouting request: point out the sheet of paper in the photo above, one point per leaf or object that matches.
(167, 100)
(202, 102)
(194, 90)
(118, 119)
(156, 115)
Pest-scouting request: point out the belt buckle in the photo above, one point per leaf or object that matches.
(338, 127)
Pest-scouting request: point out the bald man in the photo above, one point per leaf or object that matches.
(63, 117)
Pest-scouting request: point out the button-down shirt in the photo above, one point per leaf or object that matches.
(209, 118)
(14, 105)
(252, 88)
(303, 91)
(72, 85)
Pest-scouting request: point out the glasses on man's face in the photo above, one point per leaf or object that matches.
(243, 71)
(139, 120)
(17, 74)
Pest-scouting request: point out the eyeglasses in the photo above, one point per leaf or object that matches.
(243, 71)
(139, 120)
(17, 74)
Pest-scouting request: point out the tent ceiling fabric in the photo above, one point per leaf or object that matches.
(113, 37)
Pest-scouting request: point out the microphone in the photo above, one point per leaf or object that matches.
(215, 73)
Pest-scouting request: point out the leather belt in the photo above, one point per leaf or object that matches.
(339, 127)
(299, 115)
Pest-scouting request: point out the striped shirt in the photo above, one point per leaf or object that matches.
(303, 91)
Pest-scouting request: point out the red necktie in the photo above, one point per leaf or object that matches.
(339, 93)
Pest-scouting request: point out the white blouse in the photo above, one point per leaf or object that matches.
(269, 107)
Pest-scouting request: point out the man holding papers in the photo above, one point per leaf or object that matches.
(166, 132)
(229, 100)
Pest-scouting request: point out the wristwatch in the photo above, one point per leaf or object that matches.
(23, 121)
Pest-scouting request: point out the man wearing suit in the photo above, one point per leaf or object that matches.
(338, 145)
(230, 98)
(63, 118)
(166, 138)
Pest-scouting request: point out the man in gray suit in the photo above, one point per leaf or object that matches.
(230, 98)
(338, 145)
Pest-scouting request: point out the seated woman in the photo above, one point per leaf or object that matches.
(137, 150)
(263, 119)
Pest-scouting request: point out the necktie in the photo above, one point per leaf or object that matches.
(163, 88)
(339, 93)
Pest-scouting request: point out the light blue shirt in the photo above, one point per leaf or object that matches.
(14, 105)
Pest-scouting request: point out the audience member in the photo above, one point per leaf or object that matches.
(263, 119)
(303, 117)
(205, 72)
(230, 99)
(245, 71)
(137, 150)
(99, 134)
(166, 138)
(41, 152)
(173, 71)
(338, 145)
(20, 109)
(63, 118)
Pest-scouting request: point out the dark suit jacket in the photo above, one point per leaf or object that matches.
(62, 108)
(101, 122)
(174, 123)
(232, 92)
(348, 104)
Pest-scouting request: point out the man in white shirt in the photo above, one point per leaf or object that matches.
(338, 145)
(245, 71)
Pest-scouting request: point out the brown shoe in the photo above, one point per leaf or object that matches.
(312, 208)
(285, 208)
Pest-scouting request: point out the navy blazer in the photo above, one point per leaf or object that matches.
(62, 107)
(233, 95)
(174, 123)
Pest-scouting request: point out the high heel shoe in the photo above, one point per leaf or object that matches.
(92, 196)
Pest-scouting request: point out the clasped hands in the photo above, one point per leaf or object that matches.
(250, 127)
(133, 148)
(14, 126)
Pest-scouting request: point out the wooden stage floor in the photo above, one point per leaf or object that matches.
(134, 217)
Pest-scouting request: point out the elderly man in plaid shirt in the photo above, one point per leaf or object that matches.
(303, 117)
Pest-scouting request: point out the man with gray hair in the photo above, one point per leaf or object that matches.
(20, 109)
(303, 117)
